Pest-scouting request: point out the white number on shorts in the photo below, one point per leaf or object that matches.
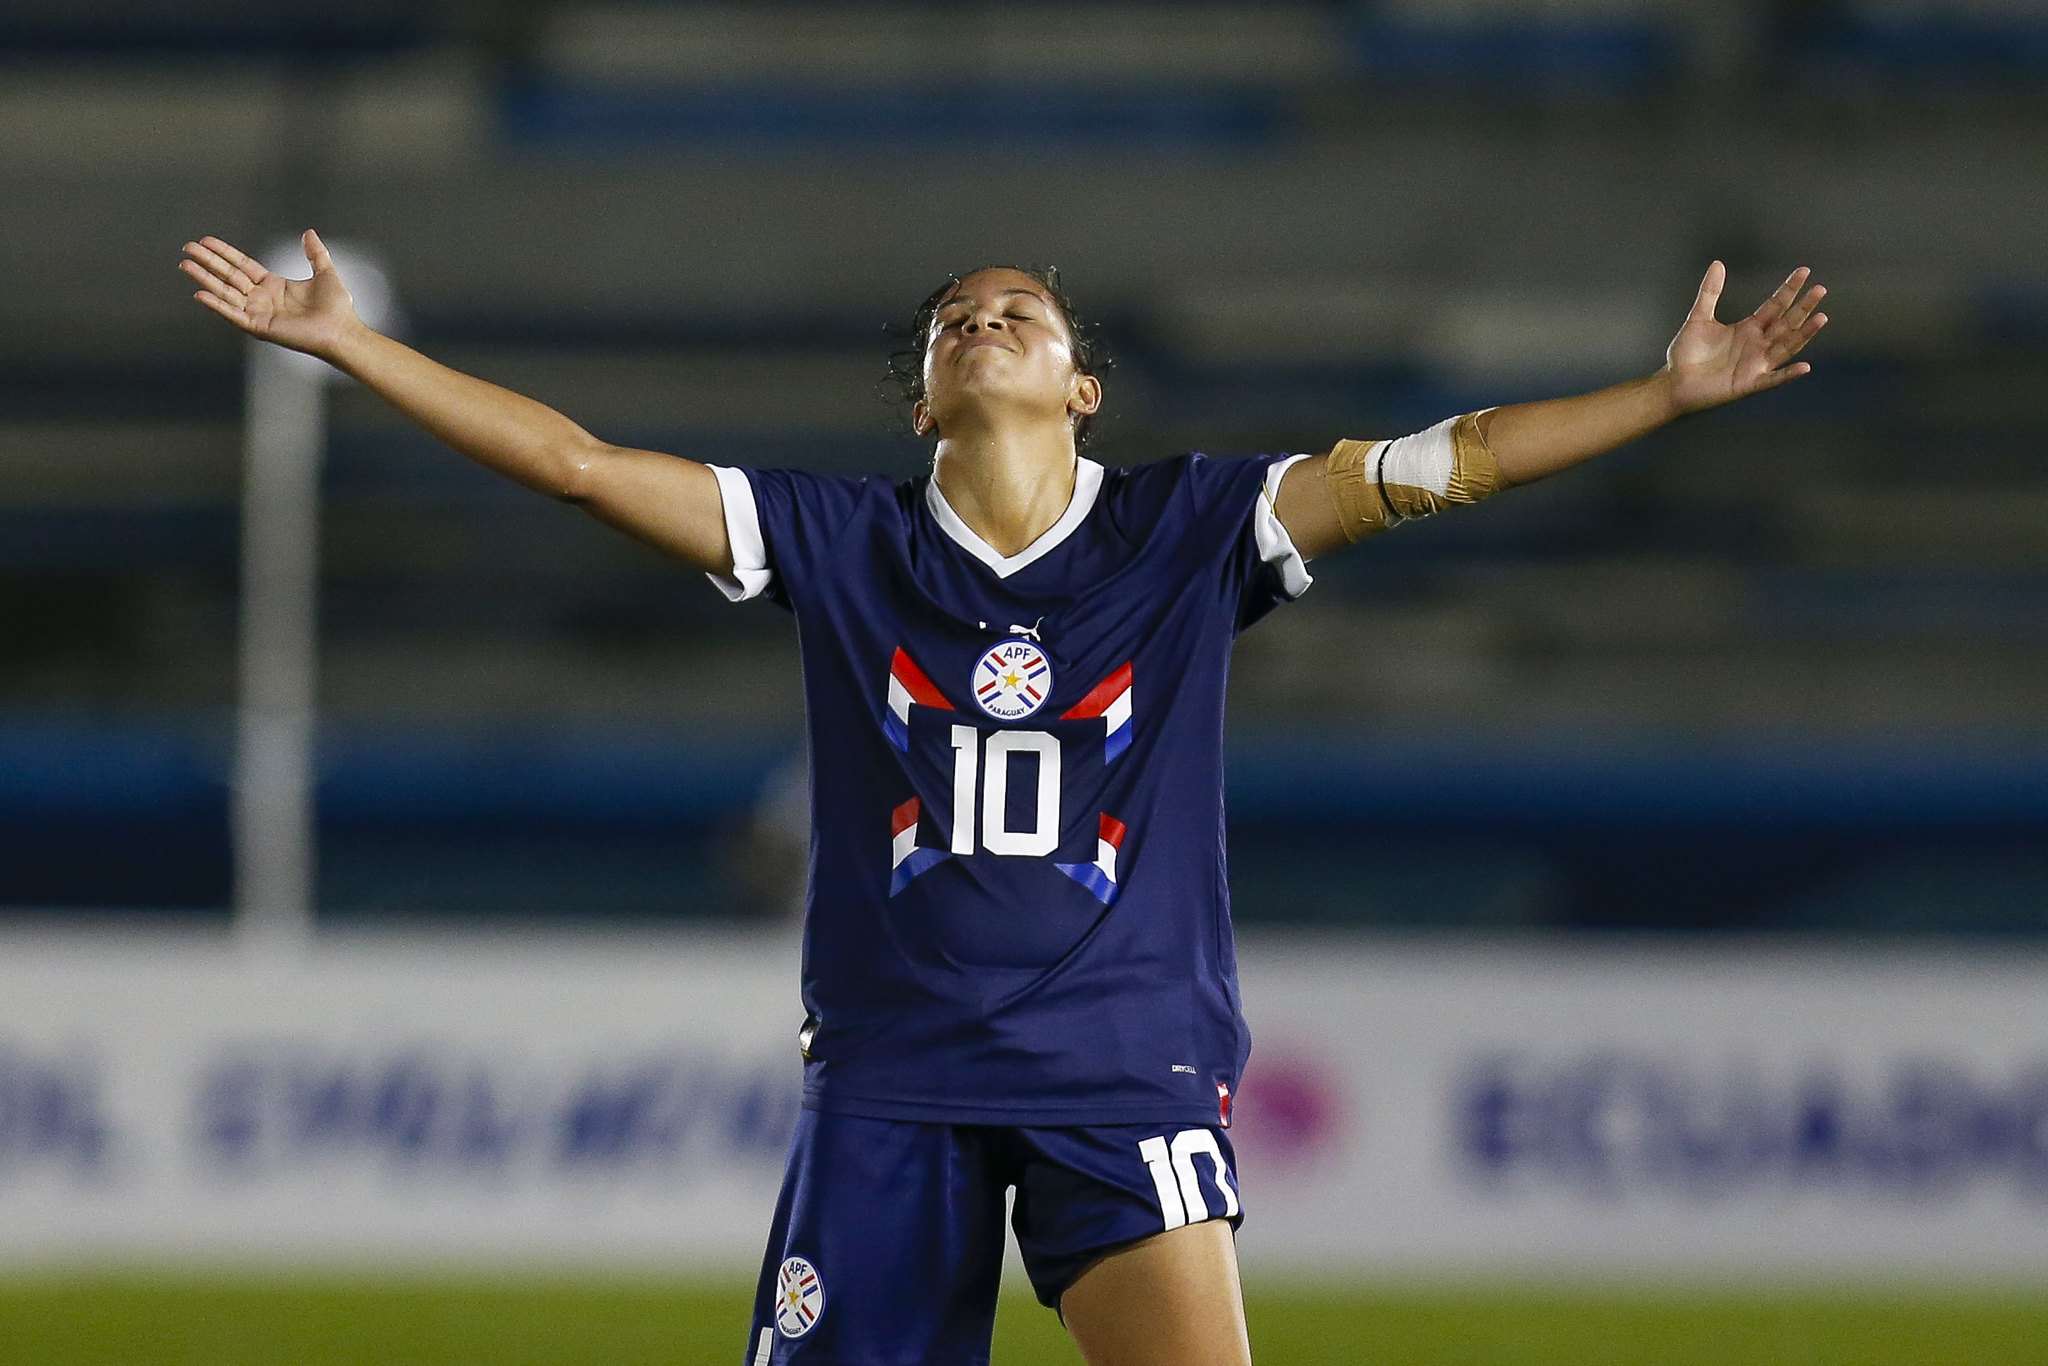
(1181, 1200)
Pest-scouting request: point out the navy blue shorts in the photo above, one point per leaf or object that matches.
(888, 1237)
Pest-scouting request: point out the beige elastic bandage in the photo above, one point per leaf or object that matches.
(1380, 484)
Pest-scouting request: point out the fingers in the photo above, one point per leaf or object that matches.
(1786, 335)
(1790, 340)
(1773, 308)
(213, 284)
(1783, 375)
(227, 310)
(1796, 316)
(224, 285)
(1709, 297)
(220, 266)
(248, 265)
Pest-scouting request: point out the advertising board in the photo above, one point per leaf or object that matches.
(1474, 1110)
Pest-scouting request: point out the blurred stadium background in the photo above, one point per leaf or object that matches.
(1741, 729)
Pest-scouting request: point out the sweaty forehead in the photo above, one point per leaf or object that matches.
(983, 283)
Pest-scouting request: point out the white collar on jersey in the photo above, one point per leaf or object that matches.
(1087, 483)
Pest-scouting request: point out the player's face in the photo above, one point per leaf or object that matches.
(999, 346)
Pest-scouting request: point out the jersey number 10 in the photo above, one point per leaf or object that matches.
(988, 775)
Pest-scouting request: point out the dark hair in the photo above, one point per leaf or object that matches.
(905, 382)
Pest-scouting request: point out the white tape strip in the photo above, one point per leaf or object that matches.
(1422, 461)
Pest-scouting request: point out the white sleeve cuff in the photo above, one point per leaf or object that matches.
(750, 573)
(1276, 547)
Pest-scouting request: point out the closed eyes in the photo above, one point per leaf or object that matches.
(1012, 316)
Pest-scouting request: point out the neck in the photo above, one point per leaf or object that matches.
(1008, 484)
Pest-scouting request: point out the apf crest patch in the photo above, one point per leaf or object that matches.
(1012, 680)
(799, 1298)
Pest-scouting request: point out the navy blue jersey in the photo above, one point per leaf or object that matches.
(1018, 910)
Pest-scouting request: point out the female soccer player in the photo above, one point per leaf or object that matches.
(1018, 968)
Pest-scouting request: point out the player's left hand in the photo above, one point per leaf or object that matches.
(1710, 362)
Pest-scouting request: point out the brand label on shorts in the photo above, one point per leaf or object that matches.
(799, 1298)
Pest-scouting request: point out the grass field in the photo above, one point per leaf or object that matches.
(135, 1321)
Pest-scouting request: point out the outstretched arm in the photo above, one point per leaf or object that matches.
(1709, 363)
(671, 503)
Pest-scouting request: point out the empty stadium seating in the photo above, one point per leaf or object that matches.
(688, 225)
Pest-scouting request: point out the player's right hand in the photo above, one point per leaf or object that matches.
(306, 315)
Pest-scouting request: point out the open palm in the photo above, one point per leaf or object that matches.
(305, 315)
(1711, 362)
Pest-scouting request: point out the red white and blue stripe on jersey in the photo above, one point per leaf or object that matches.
(1099, 877)
(908, 684)
(1111, 700)
(907, 860)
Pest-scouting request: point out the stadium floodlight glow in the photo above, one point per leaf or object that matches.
(285, 433)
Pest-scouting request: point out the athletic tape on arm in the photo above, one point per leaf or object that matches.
(1379, 484)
